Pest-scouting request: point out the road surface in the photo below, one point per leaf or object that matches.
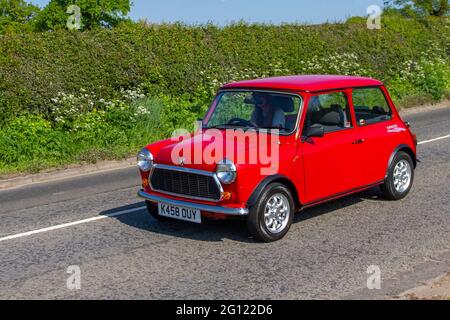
(97, 224)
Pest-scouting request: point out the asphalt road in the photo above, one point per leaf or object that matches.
(123, 253)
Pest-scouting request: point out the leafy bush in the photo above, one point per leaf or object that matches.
(425, 78)
(94, 13)
(177, 60)
(30, 139)
(30, 142)
(102, 94)
(17, 16)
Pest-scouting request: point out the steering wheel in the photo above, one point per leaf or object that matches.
(241, 122)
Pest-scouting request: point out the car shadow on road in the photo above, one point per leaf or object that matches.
(372, 194)
(218, 231)
(209, 230)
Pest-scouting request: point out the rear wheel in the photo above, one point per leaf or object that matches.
(153, 210)
(400, 177)
(271, 217)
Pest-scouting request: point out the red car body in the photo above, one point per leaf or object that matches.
(316, 169)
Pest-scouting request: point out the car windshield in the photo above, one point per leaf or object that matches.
(254, 110)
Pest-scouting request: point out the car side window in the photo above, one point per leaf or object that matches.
(370, 106)
(329, 110)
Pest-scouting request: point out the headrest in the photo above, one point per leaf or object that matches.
(378, 110)
(256, 98)
(332, 118)
(337, 108)
(284, 103)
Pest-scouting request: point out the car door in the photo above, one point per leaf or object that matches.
(376, 132)
(331, 166)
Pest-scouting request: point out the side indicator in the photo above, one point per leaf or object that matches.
(227, 196)
(145, 183)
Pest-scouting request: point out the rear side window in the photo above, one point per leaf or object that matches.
(330, 111)
(371, 106)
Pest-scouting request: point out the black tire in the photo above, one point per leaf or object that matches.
(256, 218)
(153, 210)
(388, 188)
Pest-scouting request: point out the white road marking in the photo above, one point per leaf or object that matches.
(433, 140)
(120, 213)
(70, 224)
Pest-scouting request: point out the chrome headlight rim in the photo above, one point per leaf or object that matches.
(145, 160)
(226, 171)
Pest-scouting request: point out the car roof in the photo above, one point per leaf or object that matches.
(309, 83)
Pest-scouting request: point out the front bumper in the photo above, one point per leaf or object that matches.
(202, 207)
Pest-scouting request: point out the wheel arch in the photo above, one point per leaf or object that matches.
(273, 179)
(403, 148)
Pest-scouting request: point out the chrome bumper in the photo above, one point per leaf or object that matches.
(198, 206)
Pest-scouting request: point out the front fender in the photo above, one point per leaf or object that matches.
(271, 179)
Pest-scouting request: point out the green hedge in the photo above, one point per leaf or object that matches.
(30, 143)
(68, 97)
(192, 61)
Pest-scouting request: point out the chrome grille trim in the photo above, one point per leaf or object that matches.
(191, 171)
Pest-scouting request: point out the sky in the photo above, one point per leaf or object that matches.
(222, 12)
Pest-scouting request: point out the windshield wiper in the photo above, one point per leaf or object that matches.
(272, 128)
(228, 126)
(219, 126)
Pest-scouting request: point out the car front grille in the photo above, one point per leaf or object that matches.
(185, 184)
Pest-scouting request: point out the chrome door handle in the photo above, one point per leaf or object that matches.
(359, 141)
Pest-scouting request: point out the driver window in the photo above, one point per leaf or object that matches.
(329, 110)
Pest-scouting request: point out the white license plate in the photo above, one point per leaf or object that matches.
(180, 213)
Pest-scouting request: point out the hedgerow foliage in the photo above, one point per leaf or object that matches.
(194, 60)
(102, 94)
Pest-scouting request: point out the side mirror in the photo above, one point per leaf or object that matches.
(316, 130)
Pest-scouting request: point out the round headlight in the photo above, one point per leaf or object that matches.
(145, 160)
(226, 171)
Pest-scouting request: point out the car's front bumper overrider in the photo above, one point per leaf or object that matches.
(198, 206)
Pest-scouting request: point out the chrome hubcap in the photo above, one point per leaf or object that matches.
(276, 213)
(402, 176)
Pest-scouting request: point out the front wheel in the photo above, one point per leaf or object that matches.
(271, 217)
(400, 177)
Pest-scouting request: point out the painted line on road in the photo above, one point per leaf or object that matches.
(433, 140)
(70, 224)
(121, 213)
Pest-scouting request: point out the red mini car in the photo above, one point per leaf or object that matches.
(268, 148)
